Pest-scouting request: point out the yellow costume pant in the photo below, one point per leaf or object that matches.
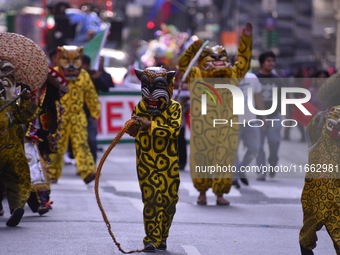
(74, 126)
(74, 129)
(14, 169)
(213, 146)
(321, 192)
(157, 169)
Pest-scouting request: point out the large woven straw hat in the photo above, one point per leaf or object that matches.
(28, 58)
(330, 89)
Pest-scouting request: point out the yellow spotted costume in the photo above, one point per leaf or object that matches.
(209, 145)
(157, 152)
(321, 192)
(14, 168)
(23, 62)
(74, 125)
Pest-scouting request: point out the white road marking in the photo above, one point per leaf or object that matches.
(125, 186)
(278, 192)
(74, 184)
(137, 203)
(189, 186)
(133, 186)
(191, 250)
(123, 159)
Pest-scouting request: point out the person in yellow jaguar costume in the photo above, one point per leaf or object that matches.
(156, 142)
(21, 61)
(321, 192)
(209, 145)
(74, 123)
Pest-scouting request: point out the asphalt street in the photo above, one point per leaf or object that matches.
(264, 218)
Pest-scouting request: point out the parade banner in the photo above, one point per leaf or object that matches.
(116, 109)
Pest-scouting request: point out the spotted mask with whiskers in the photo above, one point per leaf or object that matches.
(157, 88)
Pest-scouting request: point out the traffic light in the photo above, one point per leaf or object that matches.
(150, 25)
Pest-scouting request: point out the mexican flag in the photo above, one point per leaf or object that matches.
(93, 47)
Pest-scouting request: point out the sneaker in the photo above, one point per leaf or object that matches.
(15, 217)
(150, 247)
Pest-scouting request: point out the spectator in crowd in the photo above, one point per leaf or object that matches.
(103, 74)
(249, 136)
(52, 57)
(101, 84)
(272, 131)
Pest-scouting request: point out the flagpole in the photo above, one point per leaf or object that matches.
(93, 47)
(102, 43)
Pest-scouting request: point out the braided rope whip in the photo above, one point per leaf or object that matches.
(125, 128)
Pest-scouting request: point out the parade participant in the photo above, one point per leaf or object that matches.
(14, 170)
(21, 61)
(211, 146)
(320, 195)
(74, 124)
(157, 153)
(41, 139)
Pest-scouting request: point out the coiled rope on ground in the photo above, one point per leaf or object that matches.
(125, 128)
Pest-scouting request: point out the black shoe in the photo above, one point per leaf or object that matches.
(89, 178)
(244, 181)
(236, 184)
(150, 247)
(162, 246)
(271, 174)
(243, 178)
(261, 179)
(286, 138)
(304, 251)
(42, 210)
(15, 217)
(181, 167)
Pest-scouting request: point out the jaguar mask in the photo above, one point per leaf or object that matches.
(333, 122)
(7, 79)
(70, 61)
(215, 60)
(157, 88)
